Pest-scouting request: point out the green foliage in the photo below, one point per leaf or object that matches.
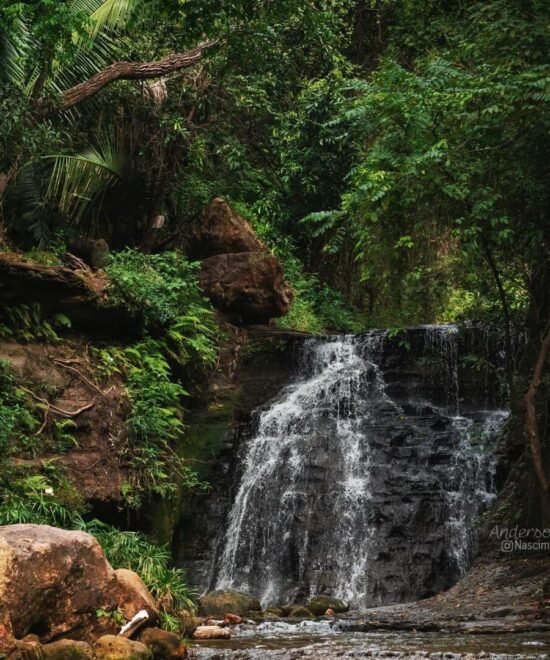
(154, 424)
(449, 153)
(316, 308)
(18, 421)
(115, 616)
(63, 435)
(36, 499)
(26, 323)
(170, 622)
(132, 550)
(79, 182)
(163, 288)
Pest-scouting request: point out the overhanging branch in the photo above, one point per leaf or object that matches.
(125, 71)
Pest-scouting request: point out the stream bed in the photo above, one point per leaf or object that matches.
(318, 640)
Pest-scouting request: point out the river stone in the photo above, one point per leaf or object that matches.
(232, 619)
(320, 604)
(163, 644)
(67, 649)
(114, 647)
(212, 632)
(29, 649)
(299, 612)
(275, 611)
(219, 603)
(135, 595)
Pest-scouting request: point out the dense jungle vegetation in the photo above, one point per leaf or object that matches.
(392, 154)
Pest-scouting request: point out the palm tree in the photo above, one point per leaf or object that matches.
(57, 83)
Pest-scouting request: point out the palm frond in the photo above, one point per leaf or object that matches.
(31, 214)
(109, 15)
(15, 47)
(79, 182)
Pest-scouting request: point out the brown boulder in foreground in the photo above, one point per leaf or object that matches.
(113, 647)
(53, 581)
(67, 649)
(164, 645)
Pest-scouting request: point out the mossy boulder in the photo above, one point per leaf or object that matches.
(218, 603)
(189, 622)
(299, 612)
(275, 611)
(67, 649)
(164, 645)
(320, 604)
(114, 647)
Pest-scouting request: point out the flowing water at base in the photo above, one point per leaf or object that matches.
(318, 640)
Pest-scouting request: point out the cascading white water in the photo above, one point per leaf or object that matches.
(347, 490)
(262, 539)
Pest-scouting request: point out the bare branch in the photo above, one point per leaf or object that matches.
(125, 71)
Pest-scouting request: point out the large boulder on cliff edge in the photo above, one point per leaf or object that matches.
(53, 581)
(248, 286)
(221, 230)
(239, 274)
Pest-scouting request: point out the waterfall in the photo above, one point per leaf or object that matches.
(357, 484)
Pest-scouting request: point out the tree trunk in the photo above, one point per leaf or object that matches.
(529, 405)
(505, 310)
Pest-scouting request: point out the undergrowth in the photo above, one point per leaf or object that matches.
(25, 323)
(130, 550)
(154, 424)
(316, 307)
(41, 492)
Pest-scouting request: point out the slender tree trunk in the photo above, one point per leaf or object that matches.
(529, 405)
(505, 310)
(5, 179)
(154, 223)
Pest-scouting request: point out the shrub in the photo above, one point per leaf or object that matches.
(152, 562)
(155, 422)
(17, 421)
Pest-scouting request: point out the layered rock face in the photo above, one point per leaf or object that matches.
(239, 274)
(364, 478)
(53, 581)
